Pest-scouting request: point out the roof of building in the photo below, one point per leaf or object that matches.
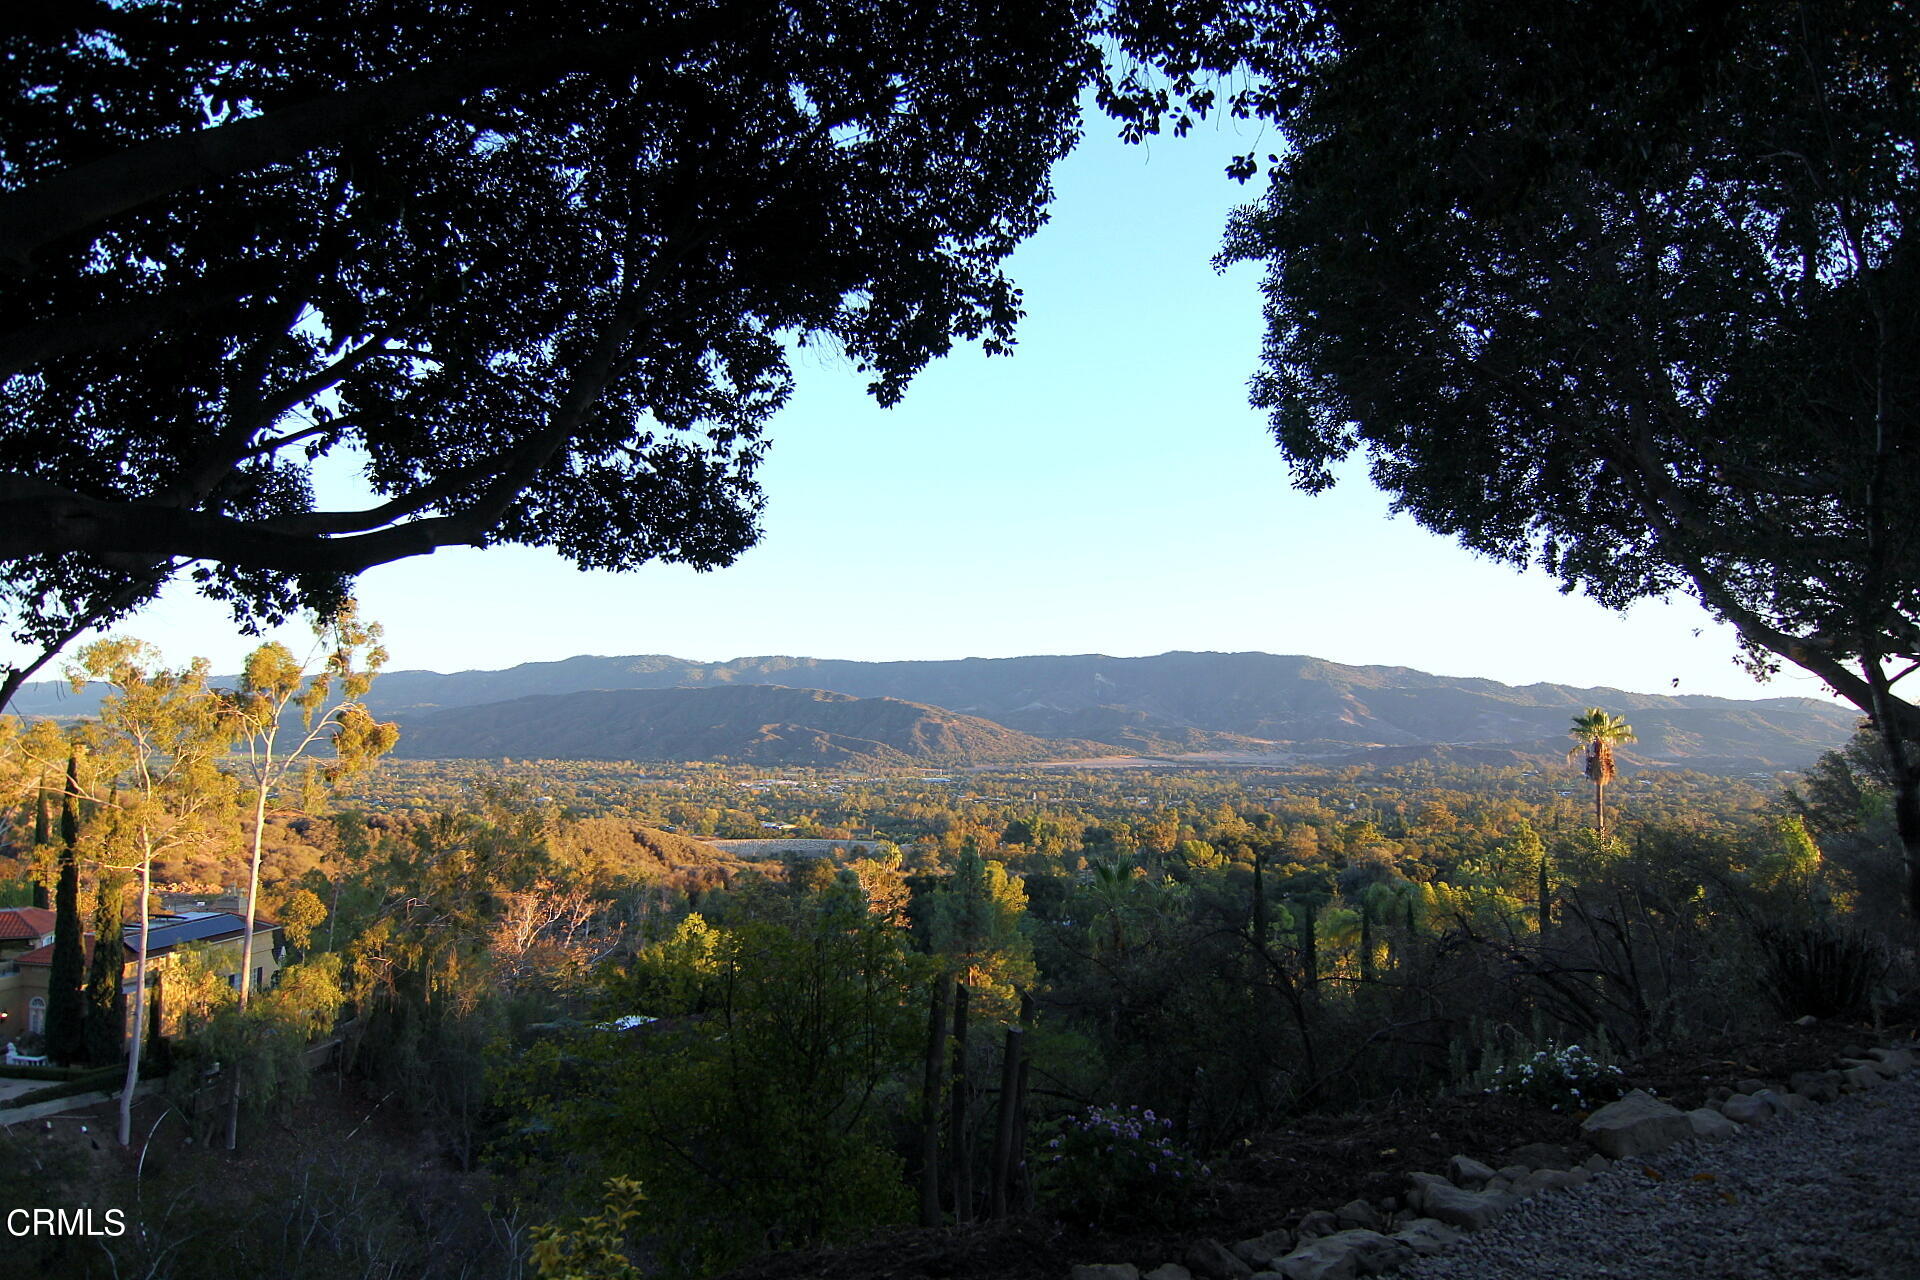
(167, 931)
(25, 922)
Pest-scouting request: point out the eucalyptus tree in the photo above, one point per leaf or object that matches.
(274, 684)
(161, 733)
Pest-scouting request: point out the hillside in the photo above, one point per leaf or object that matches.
(1173, 702)
(753, 724)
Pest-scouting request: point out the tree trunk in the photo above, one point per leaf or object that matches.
(1906, 796)
(957, 1135)
(246, 955)
(1599, 812)
(1004, 1135)
(930, 1106)
(1546, 899)
(139, 1005)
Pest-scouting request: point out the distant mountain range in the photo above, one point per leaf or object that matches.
(815, 710)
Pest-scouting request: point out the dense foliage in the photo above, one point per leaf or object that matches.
(1627, 291)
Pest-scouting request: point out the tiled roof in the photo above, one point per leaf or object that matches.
(25, 922)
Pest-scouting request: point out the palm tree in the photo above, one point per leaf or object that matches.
(1595, 733)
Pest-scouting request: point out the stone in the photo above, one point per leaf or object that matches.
(1260, 1251)
(1806, 1020)
(1514, 1172)
(1596, 1163)
(1427, 1236)
(1468, 1172)
(1457, 1206)
(1858, 1078)
(1344, 1254)
(1168, 1271)
(1549, 1180)
(1820, 1086)
(1744, 1110)
(1210, 1258)
(1541, 1155)
(1880, 1065)
(1635, 1125)
(1901, 1060)
(1774, 1102)
(1788, 1103)
(1317, 1223)
(1106, 1271)
(1750, 1086)
(1711, 1124)
(1719, 1093)
(1359, 1213)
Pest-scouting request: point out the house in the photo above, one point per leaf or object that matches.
(26, 957)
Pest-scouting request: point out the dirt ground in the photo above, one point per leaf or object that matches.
(1318, 1162)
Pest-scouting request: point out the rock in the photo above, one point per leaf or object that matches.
(1468, 1172)
(1456, 1206)
(1901, 1060)
(1168, 1271)
(1106, 1271)
(1880, 1066)
(1744, 1110)
(1359, 1213)
(1427, 1235)
(1788, 1103)
(1549, 1180)
(1541, 1155)
(1750, 1086)
(1210, 1258)
(1719, 1093)
(1344, 1254)
(1711, 1124)
(1596, 1164)
(1514, 1172)
(1857, 1078)
(1820, 1086)
(1498, 1184)
(1261, 1251)
(1716, 1104)
(1317, 1223)
(1774, 1102)
(1806, 1020)
(1635, 1125)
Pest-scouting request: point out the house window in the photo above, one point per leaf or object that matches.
(259, 977)
(37, 1016)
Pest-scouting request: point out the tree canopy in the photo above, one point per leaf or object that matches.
(1627, 292)
(535, 272)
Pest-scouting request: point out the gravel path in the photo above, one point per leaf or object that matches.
(1832, 1193)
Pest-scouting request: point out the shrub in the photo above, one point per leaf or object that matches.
(1116, 1162)
(1824, 971)
(1567, 1079)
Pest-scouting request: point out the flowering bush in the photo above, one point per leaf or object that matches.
(1569, 1079)
(1113, 1162)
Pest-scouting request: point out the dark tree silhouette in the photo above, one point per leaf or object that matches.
(1628, 291)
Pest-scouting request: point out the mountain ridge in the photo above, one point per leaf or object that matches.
(1181, 701)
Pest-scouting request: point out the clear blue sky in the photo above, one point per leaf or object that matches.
(1105, 489)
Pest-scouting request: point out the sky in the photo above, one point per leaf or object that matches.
(1105, 489)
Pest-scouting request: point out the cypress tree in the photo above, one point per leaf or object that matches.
(66, 1033)
(42, 837)
(106, 1008)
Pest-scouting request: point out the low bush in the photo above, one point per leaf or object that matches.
(1566, 1079)
(1116, 1164)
